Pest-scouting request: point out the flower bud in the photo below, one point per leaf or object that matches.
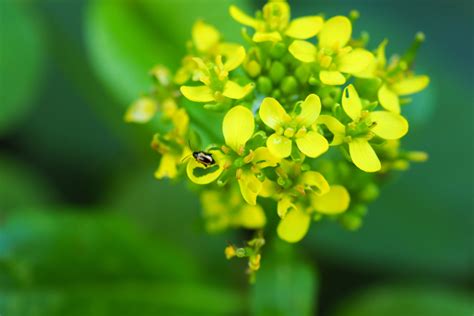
(277, 71)
(264, 85)
(289, 85)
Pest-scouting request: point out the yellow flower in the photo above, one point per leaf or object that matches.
(238, 127)
(364, 126)
(333, 56)
(172, 154)
(390, 92)
(396, 82)
(276, 23)
(206, 40)
(223, 209)
(297, 218)
(141, 111)
(293, 128)
(216, 84)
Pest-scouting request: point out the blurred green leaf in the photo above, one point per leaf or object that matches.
(403, 235)
(20, 186)
(21, 61)
(127, 38)
(68, 263)
(286, 285)
(66, 246)
(123, 298)
(123, 46)
(407, 301)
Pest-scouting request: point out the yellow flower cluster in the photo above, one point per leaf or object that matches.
(304, 115)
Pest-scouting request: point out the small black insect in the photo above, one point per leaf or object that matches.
(204, 158)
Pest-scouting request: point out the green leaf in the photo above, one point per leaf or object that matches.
(37, 247)
(123, 298)
(73, 262)
(409, 301)
(285, 286)
(21, 62)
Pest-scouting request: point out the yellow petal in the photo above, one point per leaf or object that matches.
(389, 125)
(242, 18)
(332, 78)
(363, 155)
(335, 127)
(335, 201)
(272, 113)
(279, 145)
(314, 181)
(250, 187)
(269, 188)
(380, 54)
(180, 120)
(335, 33)
(411, 85)
(294, 226)
(305, 27)
(234, 91)
(312, 144)
(310, 109)
(197, 94)
(263, 158)
(238, 127)
(354, 62)
(303, 51)
(351, 102)
(388, 99)
(260, 37)
(205, 36)
(235, 59)
(167, 168)
(252, 217)
(200, 174)
(285, 205)
(141, 111)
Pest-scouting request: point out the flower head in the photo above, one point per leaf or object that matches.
(293, 128)
(332, 56)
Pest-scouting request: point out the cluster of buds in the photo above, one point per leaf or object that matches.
(303, 115)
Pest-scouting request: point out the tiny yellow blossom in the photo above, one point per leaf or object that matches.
(333, 56)
(276, 23)
(216, 84)
(297, 127)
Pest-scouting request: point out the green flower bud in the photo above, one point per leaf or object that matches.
(277, 71)
(253, 68)
(369, 193)
(351, 221)
(264, 85)
(289, 85)
(276, 93)
(278, 50)
(302, 73)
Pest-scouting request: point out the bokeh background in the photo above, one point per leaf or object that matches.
(85, 229)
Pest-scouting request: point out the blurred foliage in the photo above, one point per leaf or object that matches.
(66, 263)
(286, 285)
(21, 62)
(395, 300)
(20, 186)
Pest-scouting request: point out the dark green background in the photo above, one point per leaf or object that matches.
(86, 230)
